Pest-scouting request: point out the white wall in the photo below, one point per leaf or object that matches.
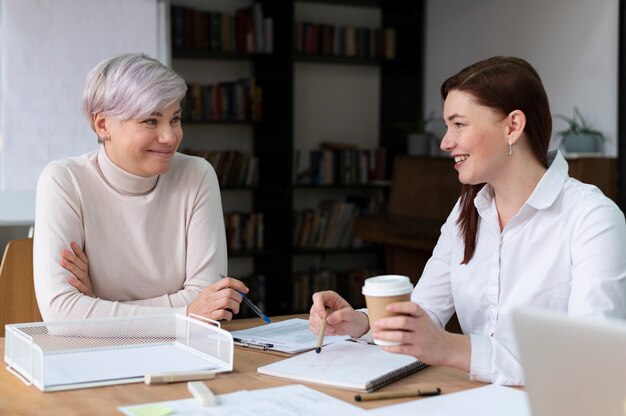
(46, 50)
(571, 43)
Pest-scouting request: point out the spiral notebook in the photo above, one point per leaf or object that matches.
(346, 365)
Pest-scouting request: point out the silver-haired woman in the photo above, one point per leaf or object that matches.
(132, 227)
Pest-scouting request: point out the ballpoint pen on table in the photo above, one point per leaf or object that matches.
(252, 305)
(252, 345)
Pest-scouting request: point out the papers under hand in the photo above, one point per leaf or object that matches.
(290, 336)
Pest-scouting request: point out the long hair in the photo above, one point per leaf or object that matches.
(503, 84)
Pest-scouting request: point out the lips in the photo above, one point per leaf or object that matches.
(164, 154)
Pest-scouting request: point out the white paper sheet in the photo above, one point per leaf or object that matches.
(292, 400)
(290, 336)
(345, 364)
(490, 400)
(119, 364)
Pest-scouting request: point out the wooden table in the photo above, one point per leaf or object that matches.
(18, 399)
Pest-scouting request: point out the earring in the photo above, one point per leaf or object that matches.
(510, 148)
(103, 139)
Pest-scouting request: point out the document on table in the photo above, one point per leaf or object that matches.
(290, 336)
(489, 400)
(292, 400)
(119, 364)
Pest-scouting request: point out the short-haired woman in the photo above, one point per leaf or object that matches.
(133, 227)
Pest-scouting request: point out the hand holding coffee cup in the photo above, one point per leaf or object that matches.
(380, 291)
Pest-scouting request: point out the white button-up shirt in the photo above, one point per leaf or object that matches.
(565, 250)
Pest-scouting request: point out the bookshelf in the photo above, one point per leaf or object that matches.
(271, 135)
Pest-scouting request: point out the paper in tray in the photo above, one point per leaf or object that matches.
(95, 352)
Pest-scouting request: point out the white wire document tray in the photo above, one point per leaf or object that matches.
(85, 353)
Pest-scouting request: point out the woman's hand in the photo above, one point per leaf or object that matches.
(76, 262)
(220, 300)
(420, 337)
(341, 318)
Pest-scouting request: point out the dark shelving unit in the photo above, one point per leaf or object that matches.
(401, 96)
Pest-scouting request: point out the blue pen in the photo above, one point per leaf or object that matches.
(252, 305)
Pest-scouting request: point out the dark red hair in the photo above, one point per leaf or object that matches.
(503, 84)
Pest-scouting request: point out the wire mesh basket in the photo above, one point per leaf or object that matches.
(103, 351)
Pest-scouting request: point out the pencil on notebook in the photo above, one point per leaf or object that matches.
(320, 337)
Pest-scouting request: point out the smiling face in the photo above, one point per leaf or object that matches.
(143, 146)
(476, 137)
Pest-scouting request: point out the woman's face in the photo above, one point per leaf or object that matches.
(476, 137)
(145, 146)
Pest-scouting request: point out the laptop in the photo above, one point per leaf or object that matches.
(572, 366)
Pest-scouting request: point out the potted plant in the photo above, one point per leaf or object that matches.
(579, 137)
(419, 138)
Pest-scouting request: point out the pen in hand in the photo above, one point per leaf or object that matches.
(320, 337)
(252, 305)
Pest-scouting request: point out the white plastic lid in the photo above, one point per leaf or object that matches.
(387, 285)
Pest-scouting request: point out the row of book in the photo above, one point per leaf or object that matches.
(244, 231)
(240, 100)
(347, 283)
(342, 167)
(245, 31)
(330, 225)
(360, 42)
(233, 168)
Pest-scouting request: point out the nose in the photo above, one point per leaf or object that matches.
(170, 135)
(446, 143)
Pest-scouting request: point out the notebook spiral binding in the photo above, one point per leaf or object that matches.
(395, 375)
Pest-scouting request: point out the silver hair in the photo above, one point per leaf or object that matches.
(130, 86)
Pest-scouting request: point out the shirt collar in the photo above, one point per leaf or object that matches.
(544, 194)
(550, 185)
(123, 181)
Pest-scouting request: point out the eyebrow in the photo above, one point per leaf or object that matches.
(158, 114)
(455, 115)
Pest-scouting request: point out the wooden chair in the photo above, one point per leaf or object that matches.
(17, 289)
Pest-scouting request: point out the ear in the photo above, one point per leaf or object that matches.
(516, 122)
(99, 122)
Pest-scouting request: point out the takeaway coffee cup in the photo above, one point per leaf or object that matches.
(380, 291)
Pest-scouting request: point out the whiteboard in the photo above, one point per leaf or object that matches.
(46, 49)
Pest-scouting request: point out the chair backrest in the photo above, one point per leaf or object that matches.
(423, 187)
(17, 289)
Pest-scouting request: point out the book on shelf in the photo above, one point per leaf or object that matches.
(248, 30)
(238, 100)
(332, 165)
(347, 283)
(350, 41)
(233, 168)
(244, 231)
(329, 226)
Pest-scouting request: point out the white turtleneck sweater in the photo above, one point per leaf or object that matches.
(153, 244)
